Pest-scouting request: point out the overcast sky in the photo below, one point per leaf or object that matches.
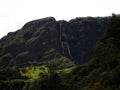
(15, 13)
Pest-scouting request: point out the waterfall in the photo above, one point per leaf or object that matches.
(68, 49)
(64, 44)
(60, 33)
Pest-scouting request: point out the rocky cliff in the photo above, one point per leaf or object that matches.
(46, 41)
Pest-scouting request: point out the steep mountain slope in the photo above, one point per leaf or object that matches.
(46, 41)
(41, 55)
(103, 70)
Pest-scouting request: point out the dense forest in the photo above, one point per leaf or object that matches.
(45, 54)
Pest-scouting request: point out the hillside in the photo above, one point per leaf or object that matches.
(46, 40)
(58, 55)
(103, 70)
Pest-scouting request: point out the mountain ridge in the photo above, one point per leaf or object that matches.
(58, 71)
(49, 33)
(68, 38)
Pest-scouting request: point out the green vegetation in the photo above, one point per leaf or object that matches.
(32, 42)
(35, 72)
(65, 70)
(103, 70)
(45, 64)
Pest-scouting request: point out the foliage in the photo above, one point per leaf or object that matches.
(35, 72)
(53, 69)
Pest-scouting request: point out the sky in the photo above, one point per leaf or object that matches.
(15, 13)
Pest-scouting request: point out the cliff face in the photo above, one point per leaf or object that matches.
(103, 70)
(40, 56)
(46, 40)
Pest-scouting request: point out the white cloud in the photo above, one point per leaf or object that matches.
(15, 13)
